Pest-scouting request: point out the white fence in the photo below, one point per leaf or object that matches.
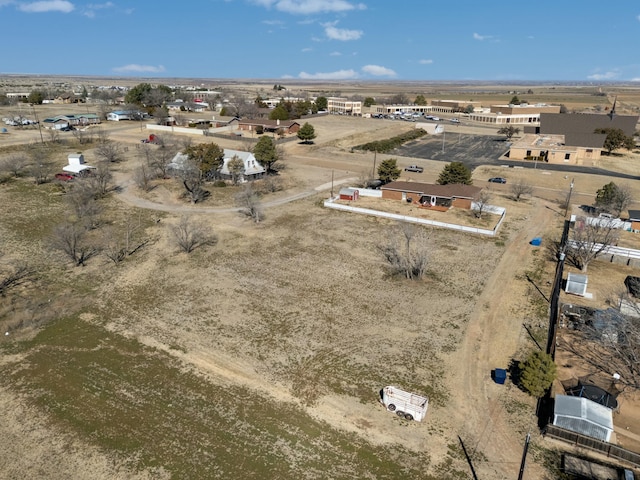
(191, 131)
(330, 203)
(629, 253)
(370, 192)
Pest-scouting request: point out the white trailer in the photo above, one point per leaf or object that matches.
(405, 404)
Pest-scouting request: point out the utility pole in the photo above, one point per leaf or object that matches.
(443, 137)
(524, 455)
(566, 210)
(35, 116)
(375, 154)
(331, 183)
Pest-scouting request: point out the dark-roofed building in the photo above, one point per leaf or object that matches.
(585, 123)
(569, 138)
(287, 126)
(434, 196)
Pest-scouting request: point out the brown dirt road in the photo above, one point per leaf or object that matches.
(492, 339)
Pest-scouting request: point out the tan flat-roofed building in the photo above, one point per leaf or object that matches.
(344, 106)
(552, 149)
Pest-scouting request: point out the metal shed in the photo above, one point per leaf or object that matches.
(349, 194)
(577, 284)
(583, 416)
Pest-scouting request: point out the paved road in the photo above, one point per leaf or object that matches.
(477, 150)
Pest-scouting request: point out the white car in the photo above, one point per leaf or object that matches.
(454, 120)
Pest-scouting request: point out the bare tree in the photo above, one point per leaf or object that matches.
(520, 188)
(42, 166)
(69, 238)
(249, 202)
(236, 168)
(622, 199)
(407, 251)
(110, 151)
(610, 344)
(83, 200)
(123, 241)
(83, 135)
(53, 135)
(160, 158)
(270, 184)
(190, 235)
(590, 240)
(15, 164)
(143, 176)
(99, 179)
(191, 178)
(14, 275)
(481, 203)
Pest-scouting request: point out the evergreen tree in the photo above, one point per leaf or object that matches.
(322, 103)
(209, 157)
(455, 172)
(537, 373)
(279, 113)
(388, 170)
(265, 152)
(307, 133)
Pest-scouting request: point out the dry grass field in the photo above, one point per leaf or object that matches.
(262, 356)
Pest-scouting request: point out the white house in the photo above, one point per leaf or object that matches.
(252, 168)
(124, 115)
(76, 164)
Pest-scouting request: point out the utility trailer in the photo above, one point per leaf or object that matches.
(410, 406)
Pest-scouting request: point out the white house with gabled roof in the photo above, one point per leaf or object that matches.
(252, 168)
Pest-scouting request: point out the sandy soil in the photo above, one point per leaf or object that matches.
(477, 409)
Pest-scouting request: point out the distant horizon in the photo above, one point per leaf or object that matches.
(324, 40)
(158, 79)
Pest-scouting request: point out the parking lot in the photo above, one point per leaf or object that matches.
(453, 146)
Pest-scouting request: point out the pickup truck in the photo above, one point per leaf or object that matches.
(414, 168)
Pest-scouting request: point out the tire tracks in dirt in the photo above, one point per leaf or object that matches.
(491, 340)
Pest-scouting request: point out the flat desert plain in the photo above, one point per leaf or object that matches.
(262, 353)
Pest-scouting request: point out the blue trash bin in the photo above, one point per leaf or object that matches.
(500, 375)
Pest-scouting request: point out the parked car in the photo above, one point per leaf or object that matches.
(414, 168)
(454, 120)
(64, 176)
(497, 180)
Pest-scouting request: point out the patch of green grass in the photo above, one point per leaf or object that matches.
(140, 404)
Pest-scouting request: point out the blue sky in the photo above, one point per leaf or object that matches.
(422, 40)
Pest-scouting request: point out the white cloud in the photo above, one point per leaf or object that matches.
(335, 54)
(91, 8)
(477, 36)
(637, 79)
(425, 62)
(307, 49)
(611, 75)
(378, 71)
(273, 22)
(308, 7)
(638, 17)
(47, 6)
(341, 34)
(338, 75)
(135, 68)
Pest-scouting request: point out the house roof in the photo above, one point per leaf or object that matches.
(77, 168)
(634, 215)
(251, 165)
(266, 123)
(585, 123)
(583, 416)
(588, 140)
(452, 190)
